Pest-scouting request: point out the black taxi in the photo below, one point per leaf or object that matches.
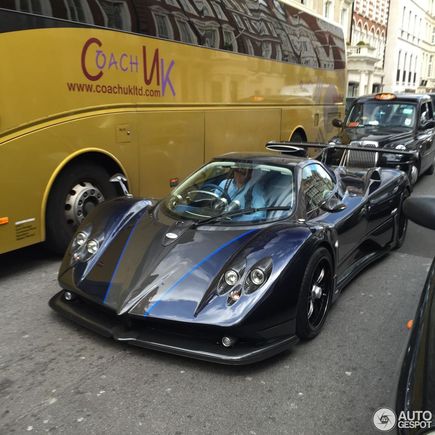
(392, 121)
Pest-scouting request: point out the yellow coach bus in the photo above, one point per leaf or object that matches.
(151, 89)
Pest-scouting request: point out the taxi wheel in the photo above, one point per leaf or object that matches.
(76, 192)
(414, 174)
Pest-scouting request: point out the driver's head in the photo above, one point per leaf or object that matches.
(242, 175)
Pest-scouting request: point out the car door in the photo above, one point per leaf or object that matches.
(426, 136)
(383, 200)
(350, 224)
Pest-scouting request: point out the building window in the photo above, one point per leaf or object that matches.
(187, 6)
(78, 10)
(219, 11)
(328, 9)
(186, 33)
(249, 47)
(376, 88)
(398, 67)
(163, 26)
(352, 89)
(203, 8)
(210, 38)
(41, 7)
(266, 49)
(230, 42)
(343, 19)
(116, 14)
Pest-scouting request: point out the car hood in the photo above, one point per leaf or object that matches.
(143, 272)
(383, 136)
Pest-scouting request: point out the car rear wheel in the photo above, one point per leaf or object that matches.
(315, 296)
(402, 224)
(76, 192)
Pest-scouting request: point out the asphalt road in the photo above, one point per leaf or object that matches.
(58, 378)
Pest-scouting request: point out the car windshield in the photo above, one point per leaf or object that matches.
(234, 192)
(382, 114)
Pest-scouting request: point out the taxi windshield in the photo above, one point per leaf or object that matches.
(382, 114)
(234, 192)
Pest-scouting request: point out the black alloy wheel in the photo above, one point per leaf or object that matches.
(76, 192)
(315, 296)
(402, 224)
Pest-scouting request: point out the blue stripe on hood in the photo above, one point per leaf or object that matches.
(187, 274)
(122, 254)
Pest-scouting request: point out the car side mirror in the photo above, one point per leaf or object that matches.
(332, 205)
(337, 123)
(421, 210)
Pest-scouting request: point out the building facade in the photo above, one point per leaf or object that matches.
(366, 50)
(410, 51)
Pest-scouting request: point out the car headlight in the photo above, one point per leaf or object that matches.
(79, 240)
(258, 275)
(400, 147)
(92, 246)
(231, 277)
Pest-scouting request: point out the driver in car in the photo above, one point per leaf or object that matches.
(244, 193)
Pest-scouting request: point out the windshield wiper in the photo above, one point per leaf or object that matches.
(238, 213)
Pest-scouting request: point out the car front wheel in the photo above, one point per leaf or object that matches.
(315, 295)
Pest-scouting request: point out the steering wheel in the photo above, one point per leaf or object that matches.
(221, 190)
(208, 190)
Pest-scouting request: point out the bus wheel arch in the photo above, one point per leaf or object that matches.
(298, 135)
(79, 185)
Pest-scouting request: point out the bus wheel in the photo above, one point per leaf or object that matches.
(298, 137)
(77, 191)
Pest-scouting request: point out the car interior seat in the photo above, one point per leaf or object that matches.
(278, 192)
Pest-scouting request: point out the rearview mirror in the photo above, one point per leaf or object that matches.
(332, 205)
(337, 123)
(421, 210)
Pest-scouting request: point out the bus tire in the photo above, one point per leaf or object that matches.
(77, 190)
(298, 137)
